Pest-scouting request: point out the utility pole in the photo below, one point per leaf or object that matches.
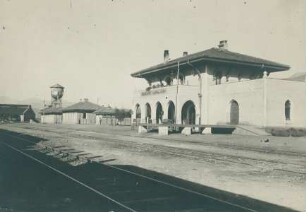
(177, 87)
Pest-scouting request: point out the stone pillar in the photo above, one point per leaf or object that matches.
(143, 114)
(153, 113)
(134, 113)
(165, 109)
(197, 115)
(178, 111)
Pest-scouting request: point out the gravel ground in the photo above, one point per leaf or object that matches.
(271, 171)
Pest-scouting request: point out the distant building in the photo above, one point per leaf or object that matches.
(218, 86)
(80, 113)
(52, 114)
(16, 113)
(106, 116)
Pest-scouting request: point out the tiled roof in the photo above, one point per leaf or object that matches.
(13, 110)
(51, 110)
(216, 55)
(105, 111)
(83, 106)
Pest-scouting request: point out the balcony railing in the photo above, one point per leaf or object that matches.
(164, 89)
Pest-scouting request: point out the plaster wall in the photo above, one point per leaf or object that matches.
(250, 97)
(77, 118)
(278, 92)
(51, 119)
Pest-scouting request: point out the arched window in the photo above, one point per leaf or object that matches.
(287, 110)
(234, 112)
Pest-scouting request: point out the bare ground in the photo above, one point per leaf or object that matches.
(271, 171)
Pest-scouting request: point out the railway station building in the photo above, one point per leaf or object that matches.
(219, 87)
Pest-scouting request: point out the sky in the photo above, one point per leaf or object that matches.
(92, 46)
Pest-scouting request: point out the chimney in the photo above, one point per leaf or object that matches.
(223, 45)
(185, 54)
(166, 56)
(85, 99)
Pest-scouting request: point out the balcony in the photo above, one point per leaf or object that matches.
(168, 91)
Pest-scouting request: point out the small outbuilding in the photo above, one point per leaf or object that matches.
(80, 113)
(52, 115)
(16, 113)
(106, 116)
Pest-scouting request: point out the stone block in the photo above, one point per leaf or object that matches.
(141, 129)
(186, 131)
(207, 130)
(163, 130)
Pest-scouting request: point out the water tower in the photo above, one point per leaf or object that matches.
(57, 92)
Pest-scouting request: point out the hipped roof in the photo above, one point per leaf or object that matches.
(105, 111)
(216, 55)
(13, 110)
(51, 111)
(82, 107)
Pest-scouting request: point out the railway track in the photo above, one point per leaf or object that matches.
(193, 154)
(118, 181)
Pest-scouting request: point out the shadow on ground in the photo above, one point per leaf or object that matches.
(27, 185)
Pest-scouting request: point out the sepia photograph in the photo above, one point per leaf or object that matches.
(152, 105)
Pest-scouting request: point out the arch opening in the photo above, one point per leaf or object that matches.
(171, 112)
(159, 113)
(188, 113)
(148, 113)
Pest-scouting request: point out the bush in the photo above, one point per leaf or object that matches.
(280, 132)
(298, 132)
(286, 132)
(222, 130)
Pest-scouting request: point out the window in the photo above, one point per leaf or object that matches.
(218, 77)
(168, 81)
(84, 115)
(287, 110)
